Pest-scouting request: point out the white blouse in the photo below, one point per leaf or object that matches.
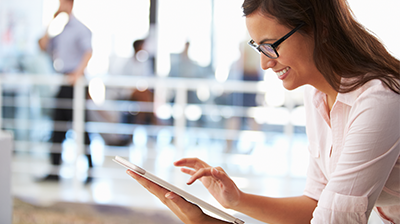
(354, 164)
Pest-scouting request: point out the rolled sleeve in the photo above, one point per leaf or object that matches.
(337, 208)
(316, 180)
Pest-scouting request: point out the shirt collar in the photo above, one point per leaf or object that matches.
(346, 98)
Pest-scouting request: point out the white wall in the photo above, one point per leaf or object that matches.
(382, 18)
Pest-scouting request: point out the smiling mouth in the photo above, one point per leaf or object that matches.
(282, 72)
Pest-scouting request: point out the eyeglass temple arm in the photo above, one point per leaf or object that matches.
(287, 35)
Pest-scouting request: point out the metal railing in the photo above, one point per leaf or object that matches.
(179, 127)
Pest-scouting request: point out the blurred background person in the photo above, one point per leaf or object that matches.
(183, 66)
(245, 68)
(139, 65)
(70, 52)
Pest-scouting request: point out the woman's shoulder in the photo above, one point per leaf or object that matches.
(374, 89)
(377, 89)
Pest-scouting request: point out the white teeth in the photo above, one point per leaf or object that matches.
(283, 71)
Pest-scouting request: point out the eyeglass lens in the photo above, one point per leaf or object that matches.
(268, 50)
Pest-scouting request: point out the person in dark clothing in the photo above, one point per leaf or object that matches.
(70, 51)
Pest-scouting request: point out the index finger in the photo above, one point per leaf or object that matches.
(199, 174)
(194, 163)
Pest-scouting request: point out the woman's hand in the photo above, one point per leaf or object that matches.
(187, 212)
(214, 179)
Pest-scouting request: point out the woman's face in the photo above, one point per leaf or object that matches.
(295, 65)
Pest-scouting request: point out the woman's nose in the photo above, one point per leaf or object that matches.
(267, 62)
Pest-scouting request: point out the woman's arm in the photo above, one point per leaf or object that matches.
(266, 209)
(43, 42)
(277, 210)
(79, 71)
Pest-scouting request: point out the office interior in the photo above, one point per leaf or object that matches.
(209, 99)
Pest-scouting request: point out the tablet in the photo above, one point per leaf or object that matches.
(142, 172)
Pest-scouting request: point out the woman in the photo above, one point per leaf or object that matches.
(352, 104)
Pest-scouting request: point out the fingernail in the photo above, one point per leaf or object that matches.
(169, 195)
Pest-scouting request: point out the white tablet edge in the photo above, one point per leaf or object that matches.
(177, 190)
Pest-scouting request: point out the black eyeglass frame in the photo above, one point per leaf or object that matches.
(274, 45)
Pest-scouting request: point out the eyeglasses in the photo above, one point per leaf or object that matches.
(270, 49)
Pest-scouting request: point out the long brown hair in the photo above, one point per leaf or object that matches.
(343, 47)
